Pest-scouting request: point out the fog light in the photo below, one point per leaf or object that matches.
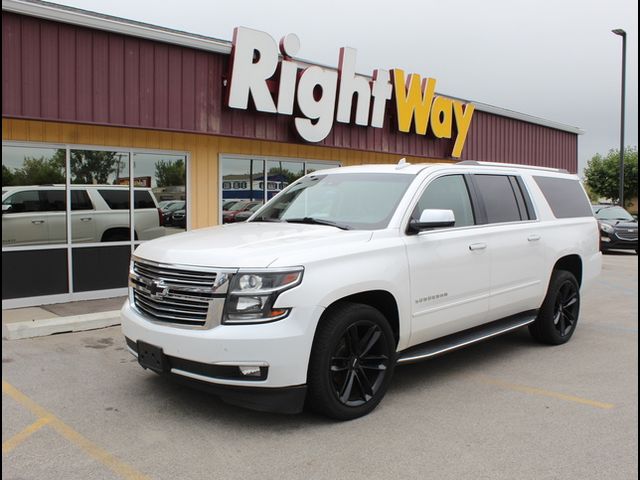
(605, 239)
(250, 370)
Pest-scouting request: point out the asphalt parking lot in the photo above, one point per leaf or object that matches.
(78, 406)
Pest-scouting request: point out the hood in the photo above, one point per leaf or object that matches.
(242, 245)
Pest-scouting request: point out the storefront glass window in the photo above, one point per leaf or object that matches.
(33, 196)
(241, 179)
(160, 181)
(311, 167)
(280, 174)
(99, 196)
(37, 209)
(247, 182)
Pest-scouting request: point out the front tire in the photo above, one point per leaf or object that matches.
(352, 362)
(558, 316)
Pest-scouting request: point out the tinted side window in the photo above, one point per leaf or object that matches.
(80, 200)
(142, 199)
(565, 196)
(27, 201)
(448, 193)
(53, 200)
(499, 198)
(116, 199)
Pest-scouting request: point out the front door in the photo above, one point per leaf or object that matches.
(449, 267)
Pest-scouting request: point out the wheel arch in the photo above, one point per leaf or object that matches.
(572, 264)
(118, 231)
(382, 300)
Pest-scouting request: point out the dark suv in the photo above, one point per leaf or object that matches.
(618, 229)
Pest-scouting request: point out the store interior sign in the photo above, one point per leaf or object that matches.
(309, 93)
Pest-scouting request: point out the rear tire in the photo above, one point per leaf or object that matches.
(558, 316)
(352, 362)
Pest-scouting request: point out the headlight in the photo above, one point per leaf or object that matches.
(252, 295)
(606, 228)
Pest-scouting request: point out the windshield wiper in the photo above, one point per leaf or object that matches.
(263, 219)
(317, 221)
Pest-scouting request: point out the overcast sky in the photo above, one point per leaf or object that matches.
(552, 59)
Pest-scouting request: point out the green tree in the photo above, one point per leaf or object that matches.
(170, 173)
(92, 166)
(8, 177)
(39, 171)
(603, 174)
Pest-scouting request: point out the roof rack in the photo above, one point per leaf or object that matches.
(511, 165)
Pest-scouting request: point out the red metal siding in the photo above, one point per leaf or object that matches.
(500, 139)
(56, 71)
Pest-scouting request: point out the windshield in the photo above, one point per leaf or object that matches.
(175, 206)
(360, 201)
(612, 213)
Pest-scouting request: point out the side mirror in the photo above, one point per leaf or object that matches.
(6, 209)
(433, 218)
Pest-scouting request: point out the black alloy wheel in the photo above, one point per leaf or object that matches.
(566, 309)
(352, 361)
(359, 363)
(558, 316)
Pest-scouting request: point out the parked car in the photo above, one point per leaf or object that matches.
(166, 203)
(618, 228)
(179, 218)
(246, 214)
(229, 216)
(169, 211)
(35, 215)
(228, 204)
(350, 272)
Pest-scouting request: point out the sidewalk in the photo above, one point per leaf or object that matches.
(60, 318)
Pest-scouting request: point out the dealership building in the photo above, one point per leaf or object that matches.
(102, 113)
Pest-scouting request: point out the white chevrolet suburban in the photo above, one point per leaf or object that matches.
(349, 272)
(36, 214)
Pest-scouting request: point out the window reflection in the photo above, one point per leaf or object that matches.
(33, 196)
(280, 174)
(99, 196)
(247, 183)
(160, 179)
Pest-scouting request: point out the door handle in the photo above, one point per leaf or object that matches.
(37, 222)
(534, 237)
(85, 219)
(477, 246)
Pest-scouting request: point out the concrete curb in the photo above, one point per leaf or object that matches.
(49, 326)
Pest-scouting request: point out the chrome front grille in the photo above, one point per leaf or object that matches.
(185, 296)
(627, 233)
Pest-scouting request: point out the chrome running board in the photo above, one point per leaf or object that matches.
(442, 345)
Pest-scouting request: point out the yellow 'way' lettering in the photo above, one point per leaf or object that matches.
(463, 113)
(417, 104)
(413, 100)
(441, 121)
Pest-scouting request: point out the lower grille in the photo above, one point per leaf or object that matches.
(176, 294)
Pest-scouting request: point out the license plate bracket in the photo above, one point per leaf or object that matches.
(151, 357)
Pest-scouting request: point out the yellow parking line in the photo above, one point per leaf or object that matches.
(545, 393)
(20, 437)
(104, 457)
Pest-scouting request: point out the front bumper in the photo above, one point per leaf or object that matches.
(282, 347)
(613, 242)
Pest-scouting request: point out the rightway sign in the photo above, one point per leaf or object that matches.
(255, 60)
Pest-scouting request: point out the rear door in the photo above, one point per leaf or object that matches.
(449, 267)
(515, 244)
(83, 221)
